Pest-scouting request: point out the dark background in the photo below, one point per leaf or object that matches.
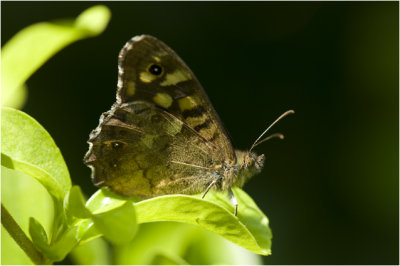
(331, 187)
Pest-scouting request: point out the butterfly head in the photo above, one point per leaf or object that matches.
(253, 160)
(248, 164)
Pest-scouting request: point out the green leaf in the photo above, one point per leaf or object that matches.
(111, 216)
(34, 45)
(54, 251)
(59, 250)
(21, 195)
(38, 234)
(86, 231)
(249, 230)
(95, 252)
(153, 239)
(249, 215)
(14, 98)
(117, 225)
(93, 20)
(28, 147)
(163, 258)
(181, 242)
(208, 248)
(74, 204)
(103, 201)
(115, 218)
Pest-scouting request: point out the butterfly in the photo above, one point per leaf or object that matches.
(162, 135)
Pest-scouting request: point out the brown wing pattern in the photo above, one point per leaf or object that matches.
(173, 88)
(138, 149)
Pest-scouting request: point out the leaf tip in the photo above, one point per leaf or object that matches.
(94, 19)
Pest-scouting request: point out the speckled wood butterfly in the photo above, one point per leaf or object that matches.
(163, 136)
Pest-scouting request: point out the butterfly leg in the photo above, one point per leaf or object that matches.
(208, 188)
(233, 200)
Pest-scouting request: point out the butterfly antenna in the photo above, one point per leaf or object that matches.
(273, 135)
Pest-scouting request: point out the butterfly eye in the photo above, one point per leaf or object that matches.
(155, 69)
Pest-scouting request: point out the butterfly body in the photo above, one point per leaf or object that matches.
(163, 136)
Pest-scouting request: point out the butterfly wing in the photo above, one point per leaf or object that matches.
(151, 71)
(139, 149)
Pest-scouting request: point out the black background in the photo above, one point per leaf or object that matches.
(330, 189)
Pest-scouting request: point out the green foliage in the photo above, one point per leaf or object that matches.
(55, 214)
(215, 213)
(24, 197)
(44, 39)
(181, 243)
(27, 147)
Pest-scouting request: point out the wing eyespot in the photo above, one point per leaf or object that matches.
(155, 69)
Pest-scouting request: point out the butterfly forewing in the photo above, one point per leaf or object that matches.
(173, 88)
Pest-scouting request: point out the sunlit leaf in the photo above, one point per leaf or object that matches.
(117, 225)
(14, 98)
(163, 258)
(181, 243)
(27, 147)
(154, 239)
(74, 204)
(249, 230)
(93, 20)
(249, 215)
(60, 249)
(114, 218)
(102, 201)
(38, 234)
(34, 45)
(94, 252)
(24, 197)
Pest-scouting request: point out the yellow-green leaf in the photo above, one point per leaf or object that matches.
(31, 47)
(27, 147)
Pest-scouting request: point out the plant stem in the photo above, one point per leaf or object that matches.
(21, 239)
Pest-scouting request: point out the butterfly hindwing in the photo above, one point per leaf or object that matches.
(138, 149)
